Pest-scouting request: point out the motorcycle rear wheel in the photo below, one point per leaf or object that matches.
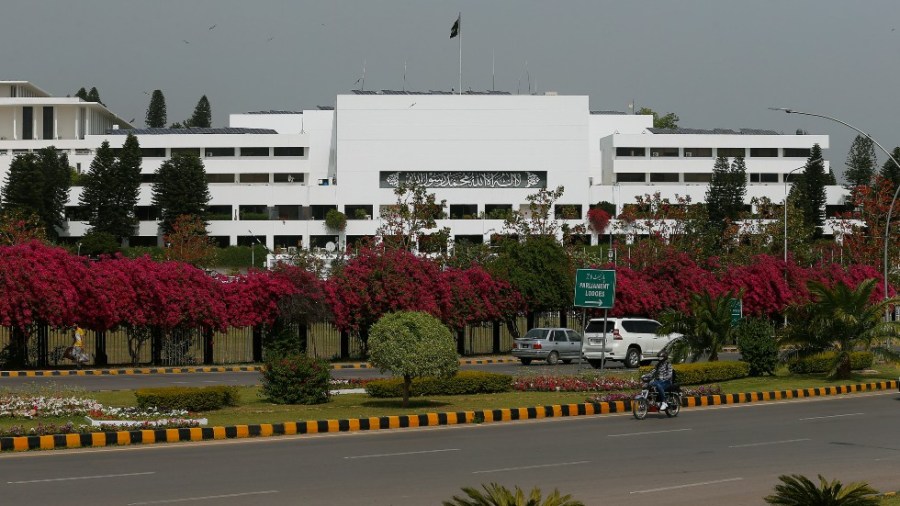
(673, 406)
(639, 408)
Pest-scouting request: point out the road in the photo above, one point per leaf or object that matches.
(127, 382)
(707, 456)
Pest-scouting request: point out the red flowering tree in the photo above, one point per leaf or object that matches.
(768, 285)
(676, 277)
(635, 295)
(381, 280)
(473, 295)
(253, 299)
(598, 219)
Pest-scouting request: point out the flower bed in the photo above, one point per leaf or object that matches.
(574, 384)
(700, 391)
(16, 406)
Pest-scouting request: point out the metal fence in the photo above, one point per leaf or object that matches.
(236, 345)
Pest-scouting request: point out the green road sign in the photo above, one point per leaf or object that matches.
(737, 311)
(595, 288)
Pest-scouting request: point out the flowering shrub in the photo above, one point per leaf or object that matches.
(48, 429)
(14, 406)
(573, 384)
(700, 391)
(295, 379)
(133, 413)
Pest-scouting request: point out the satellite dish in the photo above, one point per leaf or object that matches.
(329, 247)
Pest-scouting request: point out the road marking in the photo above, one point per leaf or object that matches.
(203, 498)
(770, 443)
(645, 433)
(96, 477)
(541, 466)
(675, 487)
(400, 454)
(830, 416)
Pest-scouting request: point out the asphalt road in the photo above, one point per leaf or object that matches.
(127, 382)
(707, 456)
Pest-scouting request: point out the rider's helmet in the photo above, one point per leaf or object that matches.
(663, 355)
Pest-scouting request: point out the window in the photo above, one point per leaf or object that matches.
(319, 211)
(287, 212)
(732, 152)
(219, 178)
(219, 213)
(148, 178)
(459, 240)
(664, 152)
(289, 178)
(27, 123)
(212, 152)
(631, 151)
(663, 177)
(289, 151)
(463, 211)
(624, 177)
(253, 212)
(698, 152)
(358, 211)
(763, 178)
(497, 211)
(575, 337)
(254, 178)
(254, 151)
(153, 152)
(567, 211)
(186, 151)
(797, 152)
(764, 152)
(48, 122)
(697, 177)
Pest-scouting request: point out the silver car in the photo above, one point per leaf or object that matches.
(550, 344)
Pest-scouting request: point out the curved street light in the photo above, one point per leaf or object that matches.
(887, 226)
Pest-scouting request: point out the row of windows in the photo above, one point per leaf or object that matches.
(255, 152)
(639, 152)
(294, 177)
(691, 177)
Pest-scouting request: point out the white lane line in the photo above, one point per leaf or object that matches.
(830, 416)
(645, 433)
(541, 466)
(204, 498)
(687, 485)
(400, 454)
(97, 477)
(770, 443)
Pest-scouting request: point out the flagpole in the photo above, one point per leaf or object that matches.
(459, 20)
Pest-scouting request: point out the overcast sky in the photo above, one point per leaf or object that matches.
(715, 63)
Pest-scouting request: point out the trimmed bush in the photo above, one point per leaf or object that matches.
(296, 379)
(824, 361)
(188, 398)
(699, 373)
(464, 383)
(756, 340)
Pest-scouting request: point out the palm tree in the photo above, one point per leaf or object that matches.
(705, 329)
(797, 490)
(841, 319)
(498, 495)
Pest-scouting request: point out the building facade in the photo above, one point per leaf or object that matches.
(273, 175)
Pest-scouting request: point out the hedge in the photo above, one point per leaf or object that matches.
(699, 373)
(187, 398)
(464, 383)
(822, 362)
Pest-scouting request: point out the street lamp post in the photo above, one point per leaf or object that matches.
(887, 225)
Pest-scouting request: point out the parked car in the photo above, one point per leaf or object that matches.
(550, 344)
(632, 341)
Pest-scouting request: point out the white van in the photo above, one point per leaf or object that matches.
(632, 341)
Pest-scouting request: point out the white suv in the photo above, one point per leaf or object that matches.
(632, 341)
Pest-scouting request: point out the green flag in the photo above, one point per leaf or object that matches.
(454, 30)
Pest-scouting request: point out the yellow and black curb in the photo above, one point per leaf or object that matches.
(139, 437)
(204, 369)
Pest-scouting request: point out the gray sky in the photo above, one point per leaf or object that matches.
(715, 63)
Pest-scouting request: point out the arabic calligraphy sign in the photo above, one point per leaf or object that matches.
(465, 179)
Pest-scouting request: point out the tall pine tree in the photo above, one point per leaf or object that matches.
(890, 170)
(156, 111)
(180, 189)
(111, 190)
(726, 192)
(861, 162)
(38, 183)
(202, 117)
(94, 96)
(82, 94)
(813, 190)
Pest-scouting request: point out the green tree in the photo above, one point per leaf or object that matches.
(82, 94)
(111, 189)
(812, 190)
(202, 117)
(726, 192)
(705, 328)
(180, 189)
(412, 345)
(890, 170)
(670, 120)
(840, 319)
(798, 490)
(39, 183)
(415, 212)
(156, 111)
(498, 495)
(94, 96)
(538, 220)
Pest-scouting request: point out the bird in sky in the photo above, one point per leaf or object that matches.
(412, 104)
(132, 120)
(270, 39)
(185, 41)
(213, 26)
(146, 93)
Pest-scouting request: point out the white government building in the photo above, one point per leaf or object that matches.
(273, 175)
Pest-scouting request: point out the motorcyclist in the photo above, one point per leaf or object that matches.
(663, 374)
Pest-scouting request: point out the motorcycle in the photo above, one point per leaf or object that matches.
(647, 400)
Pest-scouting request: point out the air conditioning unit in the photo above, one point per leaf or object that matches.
(655, 153)
(323, 181)
(688, 154)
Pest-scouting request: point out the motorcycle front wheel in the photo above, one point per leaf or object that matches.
(639, 407)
